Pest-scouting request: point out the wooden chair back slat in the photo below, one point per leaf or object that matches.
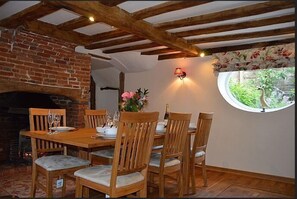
(38, 119)
(134, 142)
(175, 136)
(202, 132)
(95, 118)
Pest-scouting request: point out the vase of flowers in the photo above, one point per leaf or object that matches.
(134, 101)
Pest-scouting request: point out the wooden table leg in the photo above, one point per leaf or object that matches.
(186, 164)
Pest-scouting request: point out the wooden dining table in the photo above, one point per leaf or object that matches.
(87, 139)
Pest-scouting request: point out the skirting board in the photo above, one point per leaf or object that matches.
(252, 174)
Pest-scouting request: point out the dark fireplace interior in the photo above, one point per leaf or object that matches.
(14, 117)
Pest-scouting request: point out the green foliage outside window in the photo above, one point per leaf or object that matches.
(278, 84)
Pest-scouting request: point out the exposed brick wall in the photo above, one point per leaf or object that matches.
(44, 61)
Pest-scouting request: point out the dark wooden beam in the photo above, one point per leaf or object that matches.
(245, 11)
(211, 51)
(99, 56)
(249, 46)
(122, 19)
(75, 23)
(215, 29)
(131, 48)
(114, 42)
(158, 51)
(52, 31)
(237, 26)
(165, 7)
(251, 35)
(32, 13)
(112, 2)
(108, 35)
(148, 12)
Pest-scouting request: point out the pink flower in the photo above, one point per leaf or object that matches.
(127, 95)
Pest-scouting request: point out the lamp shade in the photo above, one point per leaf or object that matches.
(178, 72)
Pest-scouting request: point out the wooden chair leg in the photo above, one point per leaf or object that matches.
(151, 181)
(181, 184)
(193, 179)
(33, 184)
(49, 185)
(78, 188)
(64, 186)
(204, 173)
(143, 192)
(161, 185)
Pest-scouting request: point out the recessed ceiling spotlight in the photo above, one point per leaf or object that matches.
(202, 54)
(91, 19)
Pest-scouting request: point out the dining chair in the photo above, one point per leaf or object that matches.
(198, 151)
(128, 172)
(95, 118)
(54, 162)
(169, 160)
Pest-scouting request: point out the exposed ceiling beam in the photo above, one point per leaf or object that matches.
(34, 12)
(251, 35)
(122, 19)
(99, 56)
(211, 51)
(237, 26)
(255, 9)
(51, 30)
(111, 2)
(158, 51)
(215, 29)
(114, 42)
(131, 48)
(165, 7)
(222, 28)
(75, 23)
(108, 35)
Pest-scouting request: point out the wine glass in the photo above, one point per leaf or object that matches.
(57, 119)
(116, 117)
(109, 120)
(50, 119)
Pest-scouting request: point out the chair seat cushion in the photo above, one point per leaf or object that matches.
(101, 174)
(157, 147)
(199, 154)
(58, 162)
(155, 161)
(106, 153)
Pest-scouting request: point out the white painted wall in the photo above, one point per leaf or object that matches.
(255, 142)
(106, 99)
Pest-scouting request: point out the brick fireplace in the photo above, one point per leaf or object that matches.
(34, 63)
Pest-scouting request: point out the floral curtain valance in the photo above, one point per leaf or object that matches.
(256, 58)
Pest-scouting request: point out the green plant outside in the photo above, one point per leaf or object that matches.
(270, 80)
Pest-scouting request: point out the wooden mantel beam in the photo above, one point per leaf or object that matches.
(121, 19)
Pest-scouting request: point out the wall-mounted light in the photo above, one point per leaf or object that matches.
(179, 73)
(92, 19)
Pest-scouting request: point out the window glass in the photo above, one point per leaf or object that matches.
(259, 90)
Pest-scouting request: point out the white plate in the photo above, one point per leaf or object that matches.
(105, 136)
(62, 128)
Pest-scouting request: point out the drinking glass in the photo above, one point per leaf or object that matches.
(50, 120)
(57, 119)
(116, 117)
(108, 120)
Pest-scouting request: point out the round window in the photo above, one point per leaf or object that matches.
(259, 90)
